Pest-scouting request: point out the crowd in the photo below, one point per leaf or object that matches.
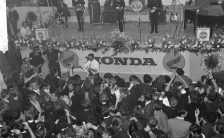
(41, 101)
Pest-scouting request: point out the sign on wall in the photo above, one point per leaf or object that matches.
(3, 27)
(133, 63)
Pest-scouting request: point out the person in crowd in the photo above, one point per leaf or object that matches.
(119, 6)
(79, 8)
(45, 70)
(25, 31)
(195, 131)
(155, 7)
(13, 18)
(62, 11)
(178, 127)
(36, 58)
(53, 57)
(92, 66)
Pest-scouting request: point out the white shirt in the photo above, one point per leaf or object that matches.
(146, 103)
(94, 64)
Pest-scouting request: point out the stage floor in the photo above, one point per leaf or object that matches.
(103, 31)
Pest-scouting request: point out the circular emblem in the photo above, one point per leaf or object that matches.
(40, 35)
(136, 6)
(69, 59)
(203, 35)
(173, 60)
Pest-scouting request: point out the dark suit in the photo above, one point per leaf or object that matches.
(62, 11)
(36, 59)
(154, 16)
(119, 6)
(13, 18)
(52, 56)
(79, 8)
(148, 111)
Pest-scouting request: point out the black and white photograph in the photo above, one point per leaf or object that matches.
(112, 69)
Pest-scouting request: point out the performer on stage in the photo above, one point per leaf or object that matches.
(62, 11)
(119, 6)
(79, 8)
(155, 7)
(92, 66)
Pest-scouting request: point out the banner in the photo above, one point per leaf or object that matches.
(3, 27)
(133, 63)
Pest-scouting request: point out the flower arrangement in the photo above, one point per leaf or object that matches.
(212, 62)
(122, 43)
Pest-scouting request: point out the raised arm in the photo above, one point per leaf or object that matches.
(170, 82)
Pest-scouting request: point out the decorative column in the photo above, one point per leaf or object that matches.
(3, 27)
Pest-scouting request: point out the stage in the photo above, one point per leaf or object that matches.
(103, 32)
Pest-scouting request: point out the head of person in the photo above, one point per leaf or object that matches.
(120, 82)
(71, 85)
(152, 122)
(91, 57)
(46, 86)
(173, 102)
(195, 130)
(220, 127)
(24, 24)
(134, 79)
(147, 79)
(210, 117)
(54, 71)
(107, 77)
(34, 85)
(26, 60)
(221, 108)
(148, 96)
(10, 7)
(181, 112)
(5, 94)
(157, 105)
(180, 71)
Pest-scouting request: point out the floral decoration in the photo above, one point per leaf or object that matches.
(212, 62)
(122, 43)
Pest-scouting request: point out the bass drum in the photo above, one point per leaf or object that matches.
(69, 59)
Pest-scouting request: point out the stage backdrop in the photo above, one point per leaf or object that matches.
(3, 27)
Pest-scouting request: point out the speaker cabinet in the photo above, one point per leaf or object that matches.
(94, 12)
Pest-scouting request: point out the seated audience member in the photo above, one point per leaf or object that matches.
(25, 31)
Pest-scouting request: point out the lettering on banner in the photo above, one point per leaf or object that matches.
(126, 61)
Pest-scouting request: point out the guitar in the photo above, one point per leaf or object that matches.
(155, 10)
(79, 7)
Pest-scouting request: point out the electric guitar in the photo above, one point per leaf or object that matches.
(79, 7)
(155, 10)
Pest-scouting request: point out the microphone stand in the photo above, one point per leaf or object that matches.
(94, 30)
(139, 25)
(83, 21)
